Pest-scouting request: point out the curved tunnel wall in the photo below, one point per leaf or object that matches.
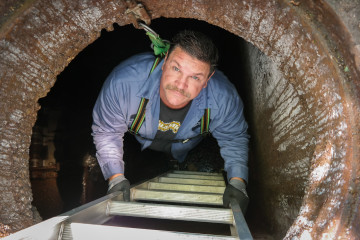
(304, 111)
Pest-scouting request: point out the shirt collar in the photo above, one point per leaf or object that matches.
(150, 88)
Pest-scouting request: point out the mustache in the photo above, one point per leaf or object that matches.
(181, 91)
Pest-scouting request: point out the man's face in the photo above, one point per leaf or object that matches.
(182, 79)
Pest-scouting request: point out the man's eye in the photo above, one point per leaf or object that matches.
(176, 69)
(196, 78)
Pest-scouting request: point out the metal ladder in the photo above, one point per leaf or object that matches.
(185, 199)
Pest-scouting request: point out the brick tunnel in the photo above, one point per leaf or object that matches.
(301, 94)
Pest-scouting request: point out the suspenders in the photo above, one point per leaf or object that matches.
(205, 121)
(140, 116)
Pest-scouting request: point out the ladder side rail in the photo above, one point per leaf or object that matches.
(45, 230)
(93, 212)
(239, 221)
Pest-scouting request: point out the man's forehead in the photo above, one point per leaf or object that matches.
(179, 50)
(178, 55)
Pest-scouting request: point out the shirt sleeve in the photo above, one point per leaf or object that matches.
(233, 139)
(108, 128)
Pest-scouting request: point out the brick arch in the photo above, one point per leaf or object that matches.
(39, 39)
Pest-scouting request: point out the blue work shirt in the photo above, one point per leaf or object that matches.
(118, 102)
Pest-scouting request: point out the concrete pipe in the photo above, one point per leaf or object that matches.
(303, 91)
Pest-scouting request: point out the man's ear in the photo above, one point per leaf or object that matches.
(209, 78)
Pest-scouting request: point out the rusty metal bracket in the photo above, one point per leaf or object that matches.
(137, 12)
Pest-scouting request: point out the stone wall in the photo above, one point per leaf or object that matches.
(305, 98)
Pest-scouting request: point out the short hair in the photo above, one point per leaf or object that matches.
(197, 45)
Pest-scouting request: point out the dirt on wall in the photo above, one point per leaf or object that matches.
(306, 137)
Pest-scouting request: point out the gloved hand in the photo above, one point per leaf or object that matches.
(120, 183)
(236, 189)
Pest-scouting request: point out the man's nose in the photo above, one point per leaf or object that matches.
(182, 82)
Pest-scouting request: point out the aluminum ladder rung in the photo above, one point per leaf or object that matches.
(184, 187)
(186, 213)
(192, 181)
(195, 176)
(179, 197)
(197, 173)
(81, 231)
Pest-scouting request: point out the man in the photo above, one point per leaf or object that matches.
(176, 95)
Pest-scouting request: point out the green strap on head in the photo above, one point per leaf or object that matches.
(160, 46)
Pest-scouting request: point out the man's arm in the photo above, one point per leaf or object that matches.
(108, 129)
(233, 139)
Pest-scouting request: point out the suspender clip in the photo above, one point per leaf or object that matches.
(186, 140)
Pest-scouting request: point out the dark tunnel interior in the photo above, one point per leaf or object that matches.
(69, 105)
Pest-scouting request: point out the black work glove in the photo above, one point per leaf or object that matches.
(236, 189)
(120, 183)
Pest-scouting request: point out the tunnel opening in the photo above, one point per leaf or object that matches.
(68, 108)
(307, 129)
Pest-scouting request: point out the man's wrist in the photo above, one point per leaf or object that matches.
(115, 175)
(238, 184)
(237, 178)
(116, 179)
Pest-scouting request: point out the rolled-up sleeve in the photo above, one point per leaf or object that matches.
(108, 128)
(233, 139)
